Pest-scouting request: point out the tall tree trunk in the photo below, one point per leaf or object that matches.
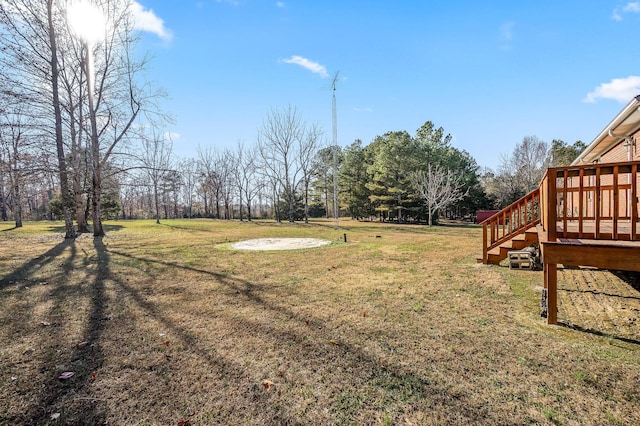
(70, 231)
(96, 185)
(17, 201)
(326, 196)
(3, 204)
(81, 218)
(306, 202)
(157, 202)
(292, 205)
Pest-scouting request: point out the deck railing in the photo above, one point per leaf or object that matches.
(510, 221)
(598, 201)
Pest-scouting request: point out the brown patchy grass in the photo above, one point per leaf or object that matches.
(163, 324)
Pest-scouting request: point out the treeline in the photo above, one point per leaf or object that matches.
(287, 174)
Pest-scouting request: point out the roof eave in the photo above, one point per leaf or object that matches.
(608, 136)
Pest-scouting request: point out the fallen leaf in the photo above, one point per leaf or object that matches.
(82, 344)
(166, 343)
(66, 375)
(334, 342)
(93, 376)
(280, 373)
(364, 313)
(267, 384)
(45, 323)
(183, 422)
(14, 378)
(54, 416)
(334, 267)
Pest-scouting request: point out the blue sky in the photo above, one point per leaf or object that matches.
(490, 73)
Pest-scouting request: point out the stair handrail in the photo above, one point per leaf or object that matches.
(501, 216)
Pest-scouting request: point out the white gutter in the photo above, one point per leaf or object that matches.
(609, 131)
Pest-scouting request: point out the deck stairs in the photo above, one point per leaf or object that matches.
(512, 228)
(520, 241)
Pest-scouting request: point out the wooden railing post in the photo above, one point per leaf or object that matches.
(597, 203)
(634, 201)
(485, 258)
(552, 208)
(616, 203)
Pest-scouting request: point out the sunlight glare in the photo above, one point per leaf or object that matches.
(86, 20)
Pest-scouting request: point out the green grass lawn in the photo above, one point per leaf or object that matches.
(166, 324)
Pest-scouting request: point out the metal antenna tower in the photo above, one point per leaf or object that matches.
(336, 207)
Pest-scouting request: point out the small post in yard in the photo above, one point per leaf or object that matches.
(345, 237)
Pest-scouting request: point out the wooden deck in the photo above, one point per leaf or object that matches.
(587, 229)
(584, 216)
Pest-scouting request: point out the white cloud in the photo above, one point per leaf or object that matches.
(280, 4)
(619, 89)
(506, 30)
(308, 64)
(147, 20)
(631, 7)
(231, 2)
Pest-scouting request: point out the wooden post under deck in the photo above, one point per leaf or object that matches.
(551, 285)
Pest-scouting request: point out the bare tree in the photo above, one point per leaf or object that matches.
(114, 99)
(530, 161)
(156, 162)
(278, 144)
(13, 146)
(286, 148)
(3, 190)
(206, 172)
(518, 173)
(188, 173)
(48, 65)
(30, 67)
(308, 154)
(217, 183)
(438, 187)
(245, 175)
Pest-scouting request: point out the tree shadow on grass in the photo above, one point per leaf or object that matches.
(598, 333)
(186, 228)
(631, 278)
(392, 380)
(21, 275)
(107, 227)
(53, 395)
